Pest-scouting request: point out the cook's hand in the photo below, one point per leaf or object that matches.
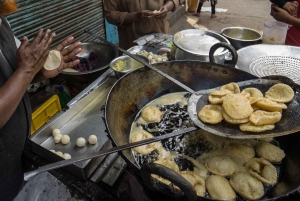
(163, 11)
(32, 56)
(67, 54)
(280, 14)
(291, 8)
(145, 15)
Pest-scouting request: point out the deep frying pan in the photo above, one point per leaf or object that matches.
(134, 90)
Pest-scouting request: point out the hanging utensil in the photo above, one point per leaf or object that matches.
(63, 163)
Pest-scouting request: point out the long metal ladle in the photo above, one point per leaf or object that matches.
(63, 163)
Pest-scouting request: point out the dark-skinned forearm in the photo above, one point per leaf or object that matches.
(11, 94)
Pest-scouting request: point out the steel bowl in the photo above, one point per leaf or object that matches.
(125, 64)
(106, 54)
(194, 44)
(240, 37)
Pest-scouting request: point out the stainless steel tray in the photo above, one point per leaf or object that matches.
(83, 118)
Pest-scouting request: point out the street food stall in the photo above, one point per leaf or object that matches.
(110, 106)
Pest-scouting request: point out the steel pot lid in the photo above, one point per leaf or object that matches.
(198, 42)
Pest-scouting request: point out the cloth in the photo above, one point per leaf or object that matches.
(115, 12)
(293, 34)
(13, 134)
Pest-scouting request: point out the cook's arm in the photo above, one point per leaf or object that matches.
(30, 57)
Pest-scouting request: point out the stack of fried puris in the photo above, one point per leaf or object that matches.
(249, 108)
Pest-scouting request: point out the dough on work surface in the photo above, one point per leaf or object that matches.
(65, 139)
(219, 188)
(92, 139)
(151, 114)
(52, 150)
(247, 186)
(243, 152)
(197, 182)
(237, 106)
(66, 156)
(59, 153)
(221, 165)
(269, 152)
(262, 170)
(80, 142)
(55, 131)
(57, 138)
(53, 60)
(144, 149)
(280, 93)
(211, 114)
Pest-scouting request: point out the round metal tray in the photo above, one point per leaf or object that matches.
(264, 60)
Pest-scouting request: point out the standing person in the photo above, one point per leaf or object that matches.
(293, 34)
(136, 18)
(20, 66)
(213, 8)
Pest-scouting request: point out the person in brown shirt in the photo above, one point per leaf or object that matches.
(137, 18)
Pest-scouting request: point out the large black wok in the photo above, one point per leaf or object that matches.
(134, 90)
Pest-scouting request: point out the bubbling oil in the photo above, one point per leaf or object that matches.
(188, 150)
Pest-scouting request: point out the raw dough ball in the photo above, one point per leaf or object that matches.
(59, 153)
(55, 131)
(52, 150)
(80, 142)
(92, 139)
(67, 156)
(65, 139)
(57, 138)
(53, 60)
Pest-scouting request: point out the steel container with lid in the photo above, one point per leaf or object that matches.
(194, 44)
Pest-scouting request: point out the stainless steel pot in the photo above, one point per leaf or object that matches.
(194, 44)
(240, 37)
(105, 53)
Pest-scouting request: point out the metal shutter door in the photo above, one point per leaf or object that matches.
(64, 17)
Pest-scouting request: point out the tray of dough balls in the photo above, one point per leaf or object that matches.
(155, 55)
(78, 131)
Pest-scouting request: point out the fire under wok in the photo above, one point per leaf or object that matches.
(134, 90)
